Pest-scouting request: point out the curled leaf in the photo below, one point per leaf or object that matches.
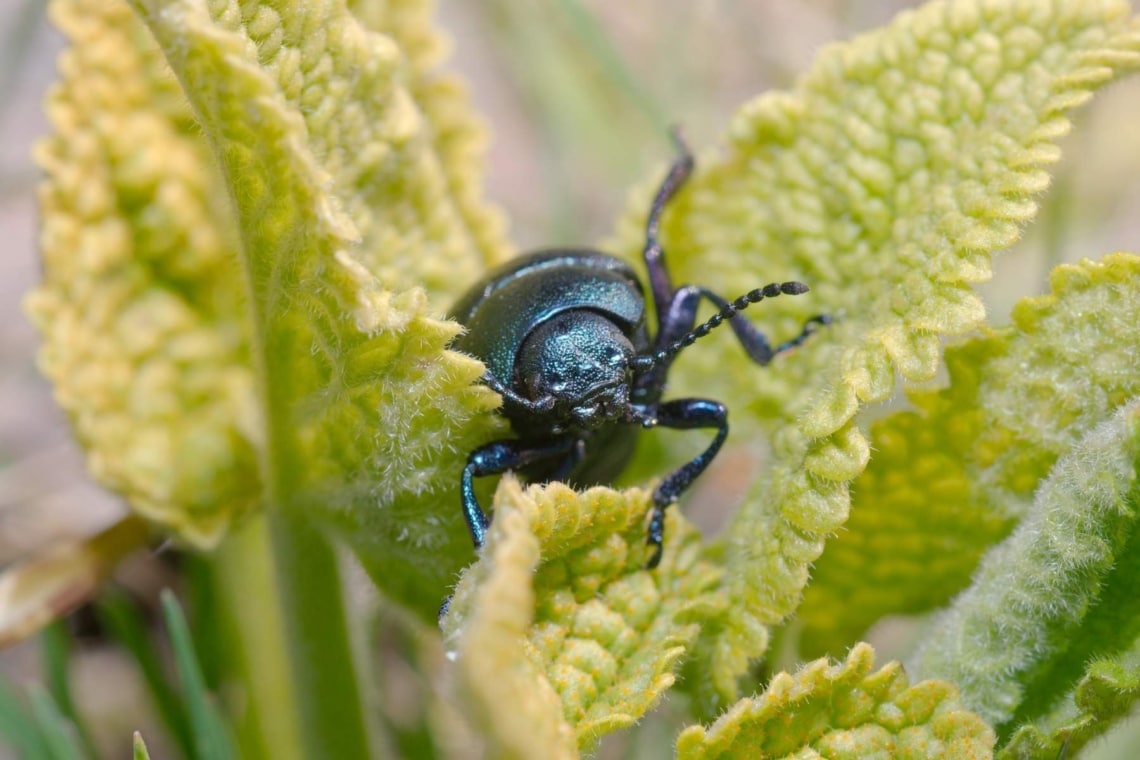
(561, 603)
(844, 711)
(1107, 693)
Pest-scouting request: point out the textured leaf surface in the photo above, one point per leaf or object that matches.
(141, 301)
(885, 180)
(1106, 693)
(950, 479)
(1056, 595)
(561, 619)
(455, 159)
(330, 390)
(844, 711)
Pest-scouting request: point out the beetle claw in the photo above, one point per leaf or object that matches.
(654, 560)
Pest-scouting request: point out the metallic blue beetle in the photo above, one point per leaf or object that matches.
(563, 335)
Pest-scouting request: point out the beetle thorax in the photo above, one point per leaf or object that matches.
(580, 359)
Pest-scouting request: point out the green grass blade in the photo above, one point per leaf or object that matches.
(17, 728)
(210, 737)
(139, 752)
(58, 733)
(124, 624)
(57, 649)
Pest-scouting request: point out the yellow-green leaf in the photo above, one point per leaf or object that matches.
(253, 335)
(951, 478)
(1107, 692)
(1058, 594)
(330, 165)
(885, 180)
(844, 711)
(141, 306)
(561, 618)
(457, 139)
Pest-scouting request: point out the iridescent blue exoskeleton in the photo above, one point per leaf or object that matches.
(564, 338)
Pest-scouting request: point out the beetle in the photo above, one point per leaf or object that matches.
(564, 339)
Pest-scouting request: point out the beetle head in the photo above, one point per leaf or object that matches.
(581, 360)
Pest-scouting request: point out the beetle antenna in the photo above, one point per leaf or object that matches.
(729, 310)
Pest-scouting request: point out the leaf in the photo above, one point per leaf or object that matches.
(124, 625)
(44, 587)
(18, 730)
(885, 180)
(1058, 594)
(561, 620)
(56, 644)
(844, 711)
(138, 747)
(334, 183)
(951, 478)
(59, 736)
(141, 308)
(1107, 692)
(457, 136)
(337, 396)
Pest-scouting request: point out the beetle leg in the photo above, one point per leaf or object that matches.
(573, 458)
(659, 280)
(810, 326)
(492, 459)
(683, 414)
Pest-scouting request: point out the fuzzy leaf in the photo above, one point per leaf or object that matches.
(844, 711)
(332, 177)
(457, 141)
(141, 308)
(1107, 692)
(885, 180)
(1057, 593)
(560, 618)
(950, 479)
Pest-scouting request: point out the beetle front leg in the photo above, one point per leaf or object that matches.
(683, 414)
(572, 459)
(495, 458)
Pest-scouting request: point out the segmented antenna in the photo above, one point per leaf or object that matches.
(757, 295)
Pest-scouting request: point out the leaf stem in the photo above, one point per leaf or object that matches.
(316, 632)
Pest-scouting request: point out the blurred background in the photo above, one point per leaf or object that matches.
(577, 95)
